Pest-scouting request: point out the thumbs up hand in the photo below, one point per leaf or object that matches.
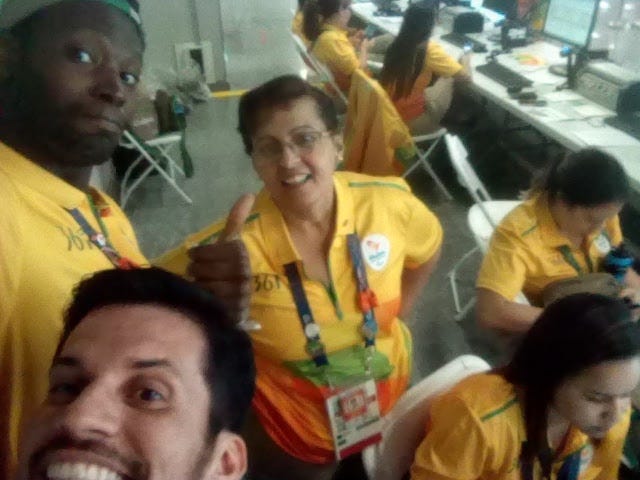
(224, 267)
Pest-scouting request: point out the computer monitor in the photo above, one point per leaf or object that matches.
(508, 8)
(571, 21)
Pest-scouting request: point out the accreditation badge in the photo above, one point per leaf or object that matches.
(602, 244)
(354, 415)
(586, 457)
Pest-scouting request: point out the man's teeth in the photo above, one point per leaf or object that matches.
(80, 471)
(297, 180)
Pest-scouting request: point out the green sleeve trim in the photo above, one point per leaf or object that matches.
(530, 230)
(211, 238)
(500, 410)
(407, 156)
(378, 184)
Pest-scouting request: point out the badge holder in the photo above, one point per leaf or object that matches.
(354, 416)
(351, 404)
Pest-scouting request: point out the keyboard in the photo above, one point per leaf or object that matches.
(503, 75)
(629, 124)
(460, 40)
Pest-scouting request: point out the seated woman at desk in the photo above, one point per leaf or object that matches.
(563, 230)
(558, 410)
(325, 25)
(315, 240)
(410, 64)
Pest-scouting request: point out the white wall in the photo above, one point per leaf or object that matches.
(167, 22)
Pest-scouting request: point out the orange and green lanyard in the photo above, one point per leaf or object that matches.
(366, 299)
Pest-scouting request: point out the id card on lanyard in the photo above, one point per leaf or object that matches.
(100, 239)
(352, 405)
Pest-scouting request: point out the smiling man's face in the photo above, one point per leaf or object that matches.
(127, 399)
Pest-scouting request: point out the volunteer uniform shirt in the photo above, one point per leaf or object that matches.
(43, 255)
(525, 252)
(438, 62)
(334, 49)
(476, 430)
(396, 231)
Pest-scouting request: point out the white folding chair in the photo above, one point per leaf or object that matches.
(309, 62)
(323, 72)
(404, 426)
(424, 155)
(483, 216)
(327, 77)
(163, 146)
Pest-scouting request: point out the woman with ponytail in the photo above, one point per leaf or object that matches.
(564, 230)
(325, 25)
(559, 410)
(298, 22)
(411, 62)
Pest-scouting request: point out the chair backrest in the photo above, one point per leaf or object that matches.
(466, 174)
(327, 76)
(483, 221)
(302, 50)
(404, 427)
(376, 139)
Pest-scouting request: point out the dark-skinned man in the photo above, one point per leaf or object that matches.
(70, 71)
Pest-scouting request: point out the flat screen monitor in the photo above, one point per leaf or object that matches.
(571, 21)
(508, 8)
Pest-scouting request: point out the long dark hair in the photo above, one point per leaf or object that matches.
(572, 334)
(405, 57)
(586, 178)
(315, 12)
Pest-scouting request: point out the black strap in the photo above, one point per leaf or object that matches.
(315, 347)
(366, 300)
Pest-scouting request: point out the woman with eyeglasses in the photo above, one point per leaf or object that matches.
(325, 25)
(338, 259)
(559, 410)
(567, 229)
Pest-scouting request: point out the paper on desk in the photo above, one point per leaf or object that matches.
(562, 96)
(591, 110)
(549, 114)
(605, 137)
(578, 109)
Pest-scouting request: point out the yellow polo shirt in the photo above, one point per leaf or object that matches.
(437, 62)
(334, 49)
(43, 255)
(396, 231)
(524, 252)
(476, 430)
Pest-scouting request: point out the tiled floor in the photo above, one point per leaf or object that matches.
(223, 172)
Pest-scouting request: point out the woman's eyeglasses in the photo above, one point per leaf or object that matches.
(302, 143)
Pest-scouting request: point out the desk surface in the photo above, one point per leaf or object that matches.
(570, 119)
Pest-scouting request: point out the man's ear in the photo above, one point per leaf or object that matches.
(10, 53)
(339, 145)
(229, 458)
